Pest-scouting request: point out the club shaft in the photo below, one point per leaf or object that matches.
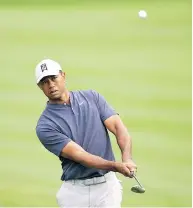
(137, 181)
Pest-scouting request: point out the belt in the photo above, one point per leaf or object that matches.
(94, 180)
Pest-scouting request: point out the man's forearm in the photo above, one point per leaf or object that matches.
(116, 126)
(76, 153)
(125, 143)
(93, 161)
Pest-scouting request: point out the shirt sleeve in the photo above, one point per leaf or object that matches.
(104, 108)
(52, 140)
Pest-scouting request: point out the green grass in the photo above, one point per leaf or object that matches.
(142, 67)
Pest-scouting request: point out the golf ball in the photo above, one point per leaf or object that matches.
(142, 14)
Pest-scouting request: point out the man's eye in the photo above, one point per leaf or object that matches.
(54, 77)
(44, 81)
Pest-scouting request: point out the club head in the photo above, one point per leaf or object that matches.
(138, 189)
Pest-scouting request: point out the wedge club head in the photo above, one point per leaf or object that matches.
(137, 188)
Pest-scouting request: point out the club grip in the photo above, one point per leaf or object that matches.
(132, 173)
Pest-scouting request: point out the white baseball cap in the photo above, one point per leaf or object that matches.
(47, 67)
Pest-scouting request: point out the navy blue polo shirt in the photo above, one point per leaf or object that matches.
(82, 121)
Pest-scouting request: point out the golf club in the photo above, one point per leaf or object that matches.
(137, 188)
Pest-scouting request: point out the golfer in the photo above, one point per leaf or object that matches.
(74, 127)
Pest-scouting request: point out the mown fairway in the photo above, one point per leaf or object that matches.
(142, 67)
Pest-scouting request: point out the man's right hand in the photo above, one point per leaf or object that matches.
(123, 169)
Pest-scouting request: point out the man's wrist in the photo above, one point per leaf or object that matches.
(113, 166)
(126, 159)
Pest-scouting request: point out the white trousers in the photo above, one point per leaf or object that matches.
(105, 191)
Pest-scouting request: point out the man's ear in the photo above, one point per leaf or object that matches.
(63, 74)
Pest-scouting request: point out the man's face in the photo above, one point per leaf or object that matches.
(53, 86)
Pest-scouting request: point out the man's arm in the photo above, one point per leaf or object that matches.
(61, 145)
(76, 153)
(116, 126)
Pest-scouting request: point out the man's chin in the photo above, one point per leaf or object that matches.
(54, 97)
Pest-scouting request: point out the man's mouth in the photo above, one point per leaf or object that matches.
(53, 91)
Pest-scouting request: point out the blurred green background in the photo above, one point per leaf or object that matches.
(142, 67)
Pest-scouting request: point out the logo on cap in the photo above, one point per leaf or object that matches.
(43, 67)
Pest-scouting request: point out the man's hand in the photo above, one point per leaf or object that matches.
(131, 165)
(127, 169)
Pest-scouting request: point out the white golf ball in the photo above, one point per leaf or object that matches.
(142, 14)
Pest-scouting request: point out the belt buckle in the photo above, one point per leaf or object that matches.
(88, 182)
(94, 181)
(101, 179)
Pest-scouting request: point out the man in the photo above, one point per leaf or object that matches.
(74, 127)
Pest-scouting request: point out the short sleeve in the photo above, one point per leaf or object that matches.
(104, 108)
(52, 140)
